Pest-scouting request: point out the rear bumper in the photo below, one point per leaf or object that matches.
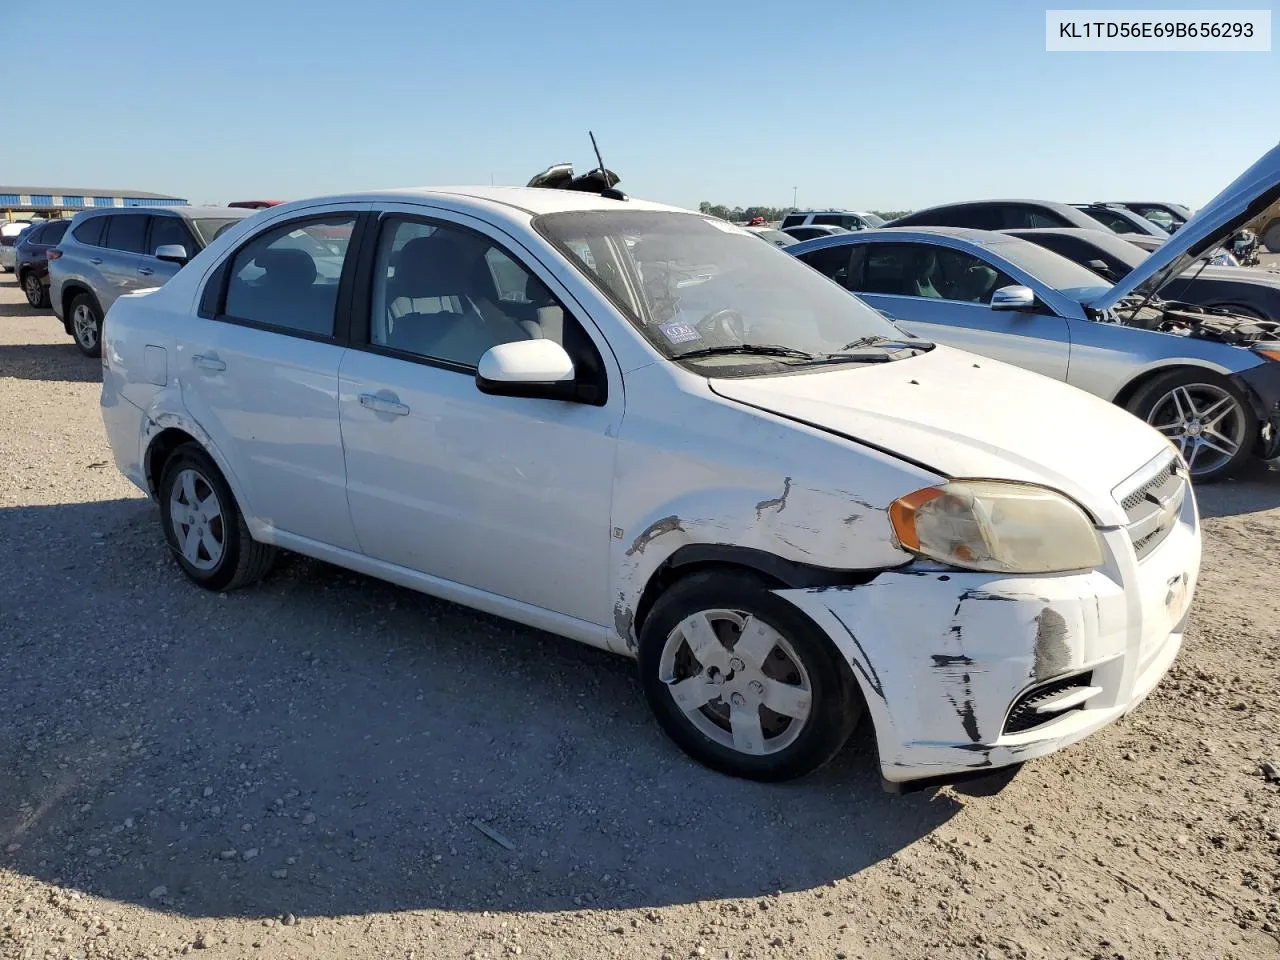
(954, 666)
(124, 424)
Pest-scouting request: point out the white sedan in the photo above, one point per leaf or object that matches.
(644, 429)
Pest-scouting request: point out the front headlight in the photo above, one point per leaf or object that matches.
(996, 526)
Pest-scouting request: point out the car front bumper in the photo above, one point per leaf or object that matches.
(1262, 383)
(955, 667)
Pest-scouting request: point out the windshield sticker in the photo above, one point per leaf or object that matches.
(677, 332)
(727, 227)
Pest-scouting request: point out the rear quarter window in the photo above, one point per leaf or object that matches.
(90, 231)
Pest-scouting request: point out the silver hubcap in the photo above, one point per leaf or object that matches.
(85, 325)
(737, 680)
(1205, 421)
(197, 520)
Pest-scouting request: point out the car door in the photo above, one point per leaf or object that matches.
(164, 230)
(944, 294)
(258, 368)
(120, 256)
(507, 495)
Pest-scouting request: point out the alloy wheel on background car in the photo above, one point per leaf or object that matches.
(1206, 422)
(84, 327)
(34, 290)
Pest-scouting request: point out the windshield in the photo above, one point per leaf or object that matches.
(874, 220)
(208, 228)
(1053, 269)
(689, 283)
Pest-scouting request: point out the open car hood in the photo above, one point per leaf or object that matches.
(1244, 198)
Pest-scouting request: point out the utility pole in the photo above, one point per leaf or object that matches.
(793, 197)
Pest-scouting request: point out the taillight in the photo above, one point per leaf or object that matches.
(52, 254)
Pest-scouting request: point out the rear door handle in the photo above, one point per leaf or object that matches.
(95, 260)
(208, 363)
(389, 403)
(145, 271)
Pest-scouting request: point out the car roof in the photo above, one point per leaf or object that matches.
(190, 212)
(979, 238)
(531, 200)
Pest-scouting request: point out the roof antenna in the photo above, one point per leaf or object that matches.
(609, 187)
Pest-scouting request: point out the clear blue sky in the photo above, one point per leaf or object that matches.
(858, 104)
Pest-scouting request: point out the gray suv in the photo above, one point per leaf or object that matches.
(106, 253)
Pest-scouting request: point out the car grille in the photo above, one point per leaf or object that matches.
(1153, 502)
(1023, 715)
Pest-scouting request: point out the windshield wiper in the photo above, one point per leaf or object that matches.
(880, 341)
(758, 349)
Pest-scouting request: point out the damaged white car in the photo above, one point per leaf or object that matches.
(643, 429)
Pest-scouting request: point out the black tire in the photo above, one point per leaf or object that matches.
(1150, 403)
(835, 704)
(241, 560)
(84, 322)
(37, 293)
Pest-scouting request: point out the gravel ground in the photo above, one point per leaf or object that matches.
(327, 766)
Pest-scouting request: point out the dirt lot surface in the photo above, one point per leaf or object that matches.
(327, 766)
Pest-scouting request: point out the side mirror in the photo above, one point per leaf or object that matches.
(540, 369)
(1015, 297)
(172, 253)
(1100, 267)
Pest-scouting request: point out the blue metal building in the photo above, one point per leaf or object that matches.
(55, 200)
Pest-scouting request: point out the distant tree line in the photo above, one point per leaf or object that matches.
(739, 214)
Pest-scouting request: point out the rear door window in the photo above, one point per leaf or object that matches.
(127, 233)
(287, 277)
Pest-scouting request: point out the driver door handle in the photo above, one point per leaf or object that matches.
(145, 271)
(95, 260)
(385, 404)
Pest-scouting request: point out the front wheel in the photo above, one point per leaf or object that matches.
(37, 293)
(86, 325)
(742, 681)
(203, 524)
(1208, 418)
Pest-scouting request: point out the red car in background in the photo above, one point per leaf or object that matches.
(254, 204)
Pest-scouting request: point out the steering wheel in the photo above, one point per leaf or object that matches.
(726, 324)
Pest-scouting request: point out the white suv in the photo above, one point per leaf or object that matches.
(646, 430)
(848, 219)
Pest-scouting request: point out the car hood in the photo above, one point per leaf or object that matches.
(1243, 199)
(961, 415)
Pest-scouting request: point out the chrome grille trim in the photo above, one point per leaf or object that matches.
(1152, 500)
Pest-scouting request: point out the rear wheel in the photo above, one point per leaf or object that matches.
(86, 325)
(742, 681)
(203, 524)
(37, 293)
(1210, 420)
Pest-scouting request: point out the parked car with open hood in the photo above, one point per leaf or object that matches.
(658, 435)
(112, 251)
(1122, 220)
(1169, 216)
(1207, 380)
(1252, 293)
